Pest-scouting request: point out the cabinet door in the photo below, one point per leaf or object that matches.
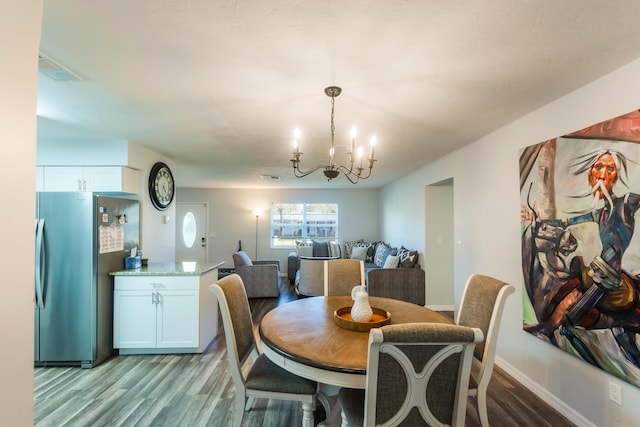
(134, 319)
(103, 178)
(111, 178)
(178, 318)
(62, 178)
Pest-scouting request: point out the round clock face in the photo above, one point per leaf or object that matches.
(161, 188)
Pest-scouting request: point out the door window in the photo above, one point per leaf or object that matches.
(189, 229)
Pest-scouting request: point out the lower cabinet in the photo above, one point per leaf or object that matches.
(163, 314)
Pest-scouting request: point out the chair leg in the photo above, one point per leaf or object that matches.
(249, 404)
(237, 419)
(307, 414)
(481, 406)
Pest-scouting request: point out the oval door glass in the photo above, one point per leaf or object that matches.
(189, 229)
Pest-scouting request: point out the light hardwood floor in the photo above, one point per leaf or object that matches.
(196, 390)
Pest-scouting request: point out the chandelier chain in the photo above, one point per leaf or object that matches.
(333, 126)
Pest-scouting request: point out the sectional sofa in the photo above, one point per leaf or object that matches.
(395, 267)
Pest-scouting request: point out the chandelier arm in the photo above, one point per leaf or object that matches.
(368, 174)
(347, 171)
(351, 180)
(301, 174)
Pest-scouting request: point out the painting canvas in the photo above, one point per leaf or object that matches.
(580, 198)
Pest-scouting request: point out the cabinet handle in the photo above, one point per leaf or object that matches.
(158, 297)
(80, 185)
(153, 298)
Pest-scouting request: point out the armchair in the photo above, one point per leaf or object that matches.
(261, 278)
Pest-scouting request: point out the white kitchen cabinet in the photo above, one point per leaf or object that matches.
(164, 314)
(119, 179)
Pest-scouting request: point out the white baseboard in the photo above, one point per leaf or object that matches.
(567, 411)
(440, 307)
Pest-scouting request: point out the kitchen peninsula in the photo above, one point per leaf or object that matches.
(165, 308)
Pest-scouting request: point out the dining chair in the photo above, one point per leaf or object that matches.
(482, 305)
(341, 275)
(417, 374)
(405, 284)
(310, 277)
(264, 379)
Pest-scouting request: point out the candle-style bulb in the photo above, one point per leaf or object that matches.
(373, 141)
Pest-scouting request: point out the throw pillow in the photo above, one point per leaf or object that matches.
(408, 259)
(370, 250)
(392, 261)
(320, 249)
(348, 247)
(305, 251)
(359, 252)
(381, 253)
(334, 250)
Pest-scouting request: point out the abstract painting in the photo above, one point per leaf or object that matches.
(580, 198)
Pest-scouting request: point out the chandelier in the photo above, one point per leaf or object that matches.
(332, 170)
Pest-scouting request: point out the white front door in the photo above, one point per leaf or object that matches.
(191, 232)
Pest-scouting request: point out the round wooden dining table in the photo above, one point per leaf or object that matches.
(302, 337)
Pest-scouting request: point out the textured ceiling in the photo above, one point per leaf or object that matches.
(218, 86)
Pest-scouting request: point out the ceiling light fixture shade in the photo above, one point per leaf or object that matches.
(332, 170)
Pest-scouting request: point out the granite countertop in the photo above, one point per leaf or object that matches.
(169, 269)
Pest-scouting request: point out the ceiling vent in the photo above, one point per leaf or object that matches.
(55, 71)
(270, 177)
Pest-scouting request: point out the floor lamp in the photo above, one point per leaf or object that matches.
(257, 214)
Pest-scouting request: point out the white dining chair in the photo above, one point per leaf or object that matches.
(341, 275)
(483, 301)
(417, 374)
(264, 379)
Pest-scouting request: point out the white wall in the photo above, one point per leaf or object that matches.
(157, 234)
(231, 217)
(21, 23)
(487, 225)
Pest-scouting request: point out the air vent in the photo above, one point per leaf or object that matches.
(270, 177)
(55, 71)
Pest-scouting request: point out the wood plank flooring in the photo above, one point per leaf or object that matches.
(196, 390)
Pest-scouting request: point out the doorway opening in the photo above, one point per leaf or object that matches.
(439, 245)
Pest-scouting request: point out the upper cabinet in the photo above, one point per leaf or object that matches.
(112, 179)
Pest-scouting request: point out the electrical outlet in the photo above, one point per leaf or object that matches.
(615, 393)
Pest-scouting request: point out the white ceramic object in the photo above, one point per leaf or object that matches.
(356, 289)
(361, 310)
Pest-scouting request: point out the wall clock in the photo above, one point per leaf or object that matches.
(161, 186)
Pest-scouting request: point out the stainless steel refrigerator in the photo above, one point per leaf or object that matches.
(80, 238)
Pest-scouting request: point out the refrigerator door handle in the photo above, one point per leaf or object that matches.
(40, 259)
